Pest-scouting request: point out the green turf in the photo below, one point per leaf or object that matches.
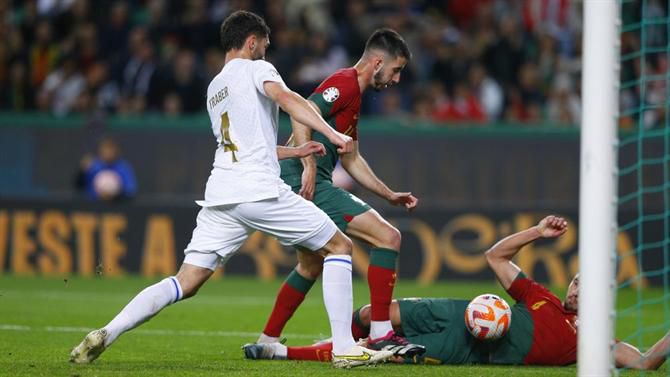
(202, 336)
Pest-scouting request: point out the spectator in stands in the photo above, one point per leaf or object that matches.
(17, 94)
(392, 105)
(214, 60)
(284, 53)
(195, 29)
(487, 91)
(172, 105)
(355, 26)
(68, 17)
(137, 73)
(522, 46)
(529, 83)
(505, 55)
(182, 79)
(107, 177)
(156, 21)
(422, 109)
(547, 60)
(656, 94)
(323, 59)
(26, 24)
(100, 94)
(86, 46)
(62, 87)
(313, 15)
(43, 54)
(564, 105)
(115, 32)
(462, 106)
(515, 111)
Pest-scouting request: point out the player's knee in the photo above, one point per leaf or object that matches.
(191, 278)
(392, 238)
(340, 244)
(364, 314)
(310, 271)
(346, 246)
(189, 287)
(189, 292)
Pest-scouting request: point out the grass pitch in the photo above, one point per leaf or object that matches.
(41, 319)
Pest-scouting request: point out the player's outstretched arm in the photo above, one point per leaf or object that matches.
(299, 109)
(302, 151)
(361, 172)
(499, 256)
(625, 355)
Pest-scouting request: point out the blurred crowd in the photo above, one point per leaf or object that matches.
(474, 61)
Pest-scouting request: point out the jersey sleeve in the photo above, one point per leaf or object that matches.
(263, 72)
(520, 288)
(333, 95)
(524, 289)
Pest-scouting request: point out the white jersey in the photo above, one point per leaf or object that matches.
(244, 122)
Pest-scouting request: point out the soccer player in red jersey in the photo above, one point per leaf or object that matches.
(543, 330)
(338, 100)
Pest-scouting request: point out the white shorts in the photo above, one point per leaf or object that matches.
(221, 230)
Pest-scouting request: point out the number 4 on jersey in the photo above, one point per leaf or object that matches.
(228, 145)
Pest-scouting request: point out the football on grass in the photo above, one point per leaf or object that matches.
(488, 317)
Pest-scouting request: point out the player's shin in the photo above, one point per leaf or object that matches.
(381, 281)
(338, 299)
(290, 296)
(144, 306)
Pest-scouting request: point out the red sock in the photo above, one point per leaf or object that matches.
(381, 282)
(321, 352)
(290, 296)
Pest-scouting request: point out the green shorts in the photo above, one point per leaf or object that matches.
(340, 205)
(439, 325)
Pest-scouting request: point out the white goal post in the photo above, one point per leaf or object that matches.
(598, 187)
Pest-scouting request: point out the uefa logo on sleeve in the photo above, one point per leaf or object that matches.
(331, 94)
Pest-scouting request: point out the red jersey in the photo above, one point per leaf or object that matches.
(339, 99)
(554, 329)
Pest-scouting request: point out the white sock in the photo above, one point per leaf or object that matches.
(144, 306)
(281, 352)
(338, 299)
(267, 339)
(379, 329)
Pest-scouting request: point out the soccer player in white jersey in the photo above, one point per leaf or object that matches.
(244, 193)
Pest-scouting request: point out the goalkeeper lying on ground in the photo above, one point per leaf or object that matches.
(543, 330)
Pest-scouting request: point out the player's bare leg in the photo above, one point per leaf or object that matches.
(140, 309)
(371, 227)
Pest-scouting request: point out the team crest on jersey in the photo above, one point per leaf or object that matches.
(331, 94)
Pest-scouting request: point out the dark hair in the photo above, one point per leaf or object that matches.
(389, 41)
(237, 27)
